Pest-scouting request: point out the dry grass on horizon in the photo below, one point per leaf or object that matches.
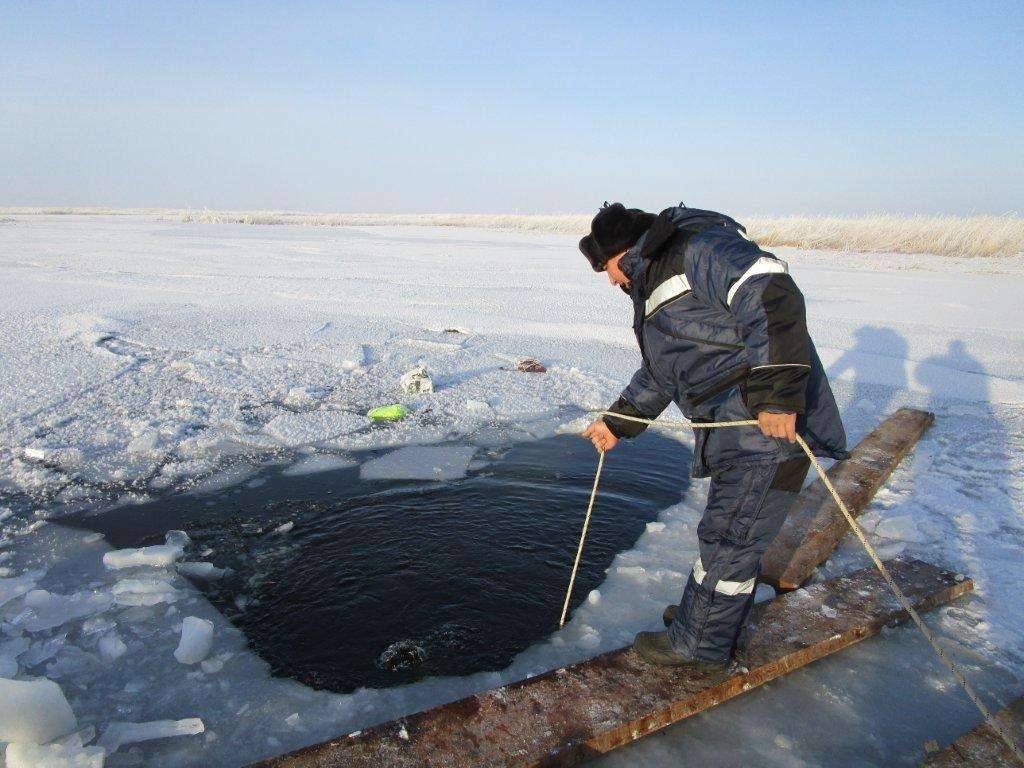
(962, 236)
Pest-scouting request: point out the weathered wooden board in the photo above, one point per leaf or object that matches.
(982, 746)
(815, 525)
(567, 715)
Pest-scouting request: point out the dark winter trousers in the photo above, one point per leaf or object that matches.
(745, 510)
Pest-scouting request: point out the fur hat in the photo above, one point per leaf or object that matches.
(614, 229)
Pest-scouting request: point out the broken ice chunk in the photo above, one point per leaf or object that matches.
(196, 640)
(54, 756)
(118, 734)
(144, 592)
(18, 586)
(285, 527)
(9, 652)
(177, 539)
(294, 429)
(111, 647)
(900, 528)
(764, 593)
(48, 610)
(202, 570)
(157, 556)
(420, 463)
(42, 650)
(34, 712)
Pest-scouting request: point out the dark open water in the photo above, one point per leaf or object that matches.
(383, 582)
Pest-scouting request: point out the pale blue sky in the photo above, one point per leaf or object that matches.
(809, 107)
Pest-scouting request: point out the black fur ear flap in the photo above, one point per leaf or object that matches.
(605, 204)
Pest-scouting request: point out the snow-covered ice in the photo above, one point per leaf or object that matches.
(143, 356)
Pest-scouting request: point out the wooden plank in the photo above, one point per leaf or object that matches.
(569, 714)
(982, 746)
(815, 525)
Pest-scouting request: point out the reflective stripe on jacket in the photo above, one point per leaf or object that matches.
(722, 330)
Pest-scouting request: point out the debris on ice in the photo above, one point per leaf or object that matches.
(118, 734)
(54, 756)
(196, 640)
(655, 527)
(416, 382)
(530, 365)
(34, 712)
(419, 462)
(157, 556)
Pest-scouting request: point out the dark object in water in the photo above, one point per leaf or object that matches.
(404, 654)
(530, 365)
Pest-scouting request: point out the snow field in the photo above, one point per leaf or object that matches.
(143, 357)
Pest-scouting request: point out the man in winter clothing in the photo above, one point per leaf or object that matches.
(722, 332)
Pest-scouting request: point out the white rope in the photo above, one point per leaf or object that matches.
(861, 536)
(583, 536)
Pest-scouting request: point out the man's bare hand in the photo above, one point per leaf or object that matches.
(781, 425)
(602, 437)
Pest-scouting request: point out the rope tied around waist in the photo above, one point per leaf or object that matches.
(951, 665)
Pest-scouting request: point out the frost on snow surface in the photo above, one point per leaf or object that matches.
(278, 340)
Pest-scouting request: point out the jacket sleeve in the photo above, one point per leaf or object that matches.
(757, 290)
(643, 398)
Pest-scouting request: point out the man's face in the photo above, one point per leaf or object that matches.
(615, 275)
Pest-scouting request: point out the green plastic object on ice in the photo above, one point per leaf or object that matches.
(395, 412)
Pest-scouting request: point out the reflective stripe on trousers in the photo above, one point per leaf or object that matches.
(745, 510)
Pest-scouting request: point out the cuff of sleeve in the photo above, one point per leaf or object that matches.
(777, 389)
(620, 427)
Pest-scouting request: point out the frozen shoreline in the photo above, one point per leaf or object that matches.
(141, 354)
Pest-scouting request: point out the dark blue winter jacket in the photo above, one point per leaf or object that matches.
(723, 333)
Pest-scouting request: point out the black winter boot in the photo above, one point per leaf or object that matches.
(654, 648)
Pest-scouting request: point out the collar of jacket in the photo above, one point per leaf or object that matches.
(669, 223)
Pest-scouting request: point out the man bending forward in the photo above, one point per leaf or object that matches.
(722, 332)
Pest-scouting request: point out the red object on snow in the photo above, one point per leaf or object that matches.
(529, 365)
